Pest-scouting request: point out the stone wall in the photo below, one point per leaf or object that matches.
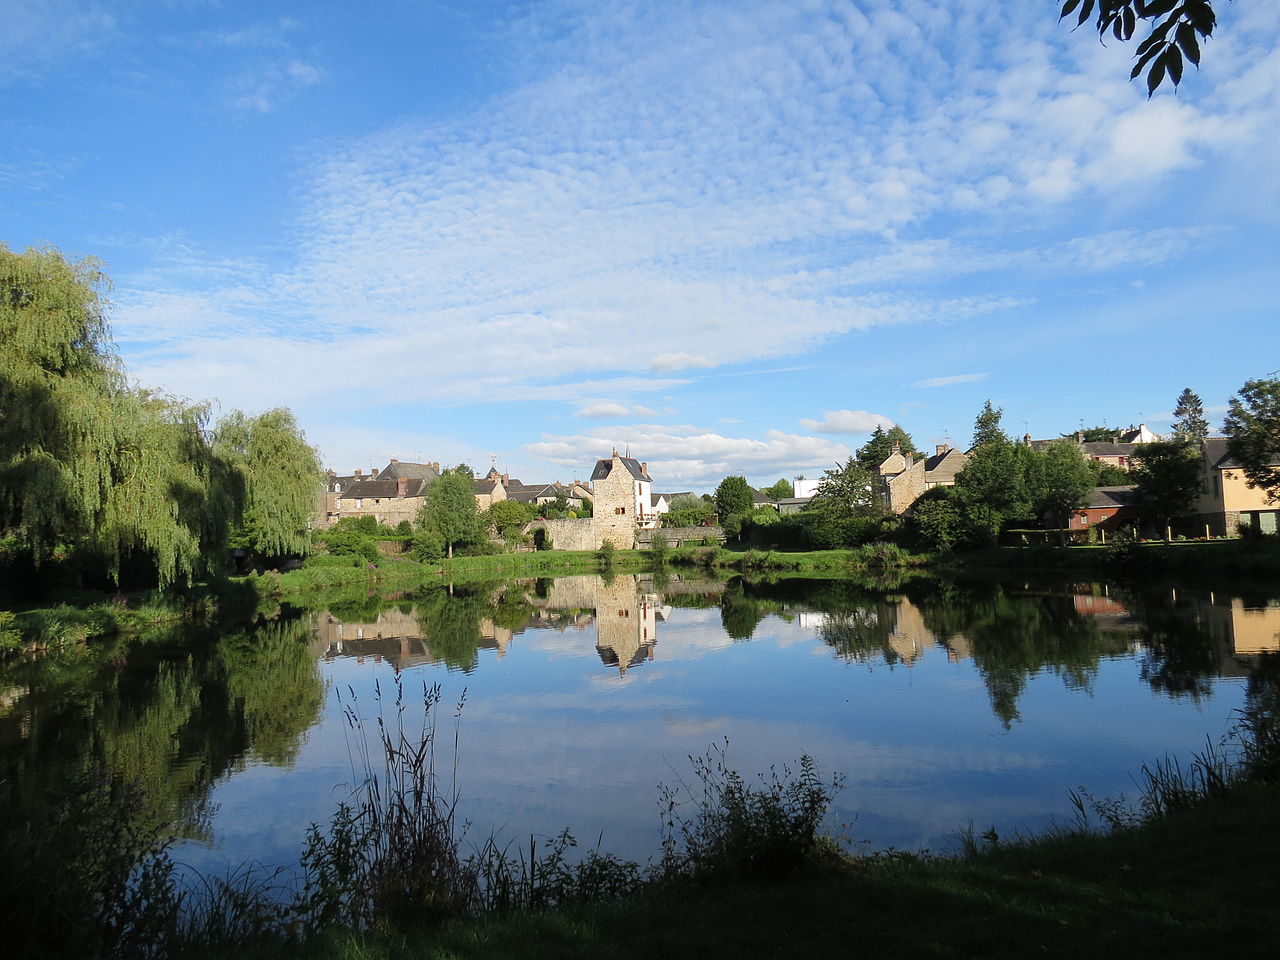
(576, 534)
(614, 508)
(680, 536)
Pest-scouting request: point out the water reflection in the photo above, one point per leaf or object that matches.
(170, 715)
(943, 700)
(450, 624)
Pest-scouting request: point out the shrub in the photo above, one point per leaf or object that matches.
(736, 828)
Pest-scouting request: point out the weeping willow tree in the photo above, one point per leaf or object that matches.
(60, 445)
(128, 478)
(279, 474)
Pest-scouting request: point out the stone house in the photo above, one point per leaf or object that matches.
(623, 499)
(394, 493)
(904, 479)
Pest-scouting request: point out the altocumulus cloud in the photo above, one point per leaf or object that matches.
(600, 219)
(847, 421)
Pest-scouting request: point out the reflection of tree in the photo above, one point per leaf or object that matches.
(740, 612)
(1180, 657)
(451, 618)
(273, 682)
(1015, 635)
(861, 634)
(165, 717)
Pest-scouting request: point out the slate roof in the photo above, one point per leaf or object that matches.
(605, 467)
(382, 488)
(1100, 497)
(414, 471)
(1217, 456)
(336, 484)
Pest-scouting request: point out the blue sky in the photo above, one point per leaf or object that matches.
(733, 236)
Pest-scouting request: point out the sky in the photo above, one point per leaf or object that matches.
(725, 237)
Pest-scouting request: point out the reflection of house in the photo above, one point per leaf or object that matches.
(627, 611)
(1227, 503)
(905, 479)
(395, 637)
(1247, 630)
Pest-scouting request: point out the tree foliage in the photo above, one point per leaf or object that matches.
(848, 492)
(126, 478)
(780, 490)
(1175, 26)
(1061, 481)
(1189, 422)
(449, 511)
(733, 496)
(1168, 476)
(987, 428)
(507, 518)
(1252, 426)
(878, 448)
(279, 474)
(689, 511)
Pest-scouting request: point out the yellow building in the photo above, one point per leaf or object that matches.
(1228, 503)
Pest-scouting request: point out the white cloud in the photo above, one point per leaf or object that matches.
(668, 362)
(689, 456)
(951, 380)
(605, 408)
(602, 221)
(847, 421)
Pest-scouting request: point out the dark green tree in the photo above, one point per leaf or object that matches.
(507, 518)
(449, 512)
(1174, 26)
(986, 428)
(937, 518)
(1168, 474)
(1092, 434)
(1189, 422)
(1252, 426)
(1062, 482)
(733, 497)
(1108, 474)
(877, 449)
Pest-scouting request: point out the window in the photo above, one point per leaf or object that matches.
(619, 510)
(359, 504)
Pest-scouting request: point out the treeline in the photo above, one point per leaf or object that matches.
(118, 483)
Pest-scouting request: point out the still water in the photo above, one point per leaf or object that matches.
(941, 703)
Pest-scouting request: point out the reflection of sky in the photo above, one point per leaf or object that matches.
(552, 738)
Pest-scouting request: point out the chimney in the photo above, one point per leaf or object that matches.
(435, 465)
(358, 472)
(394, 460)
(909, 458)
(644, 470)
(506, 479)
(1026, 439)
(897, 447)
(940, 448)
(402, 486)
(1079, 436)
